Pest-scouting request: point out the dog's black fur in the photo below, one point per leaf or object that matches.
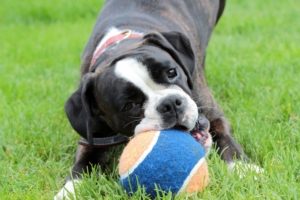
(176, 29)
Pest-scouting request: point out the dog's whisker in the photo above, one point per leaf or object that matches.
(207, 107)
(213, 107)
(149, 118)
(131, 122)
(134, 117)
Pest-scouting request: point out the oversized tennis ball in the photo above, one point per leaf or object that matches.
(170, 160)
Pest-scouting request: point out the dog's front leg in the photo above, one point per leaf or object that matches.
(227, 147)
(86, 158)
(229, 150)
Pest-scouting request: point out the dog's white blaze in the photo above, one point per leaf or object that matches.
(135, 72)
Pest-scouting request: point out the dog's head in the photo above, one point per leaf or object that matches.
(145, 86)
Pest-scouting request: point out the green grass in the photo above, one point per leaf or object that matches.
(253, 69)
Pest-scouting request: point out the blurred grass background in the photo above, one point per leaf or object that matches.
(253, 69)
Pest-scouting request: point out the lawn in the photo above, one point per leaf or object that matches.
(253, 69)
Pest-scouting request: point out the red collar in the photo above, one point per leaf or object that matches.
(126, 34)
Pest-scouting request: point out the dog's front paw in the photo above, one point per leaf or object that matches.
(68, 191)
(242, 169)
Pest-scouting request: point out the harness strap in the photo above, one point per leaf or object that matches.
(105, 142)
(126, 34)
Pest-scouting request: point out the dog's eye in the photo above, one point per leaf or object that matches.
(172, 73)
(128, 106)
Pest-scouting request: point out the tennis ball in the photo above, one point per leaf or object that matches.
(170, 160)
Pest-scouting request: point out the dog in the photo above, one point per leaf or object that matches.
(143, 69)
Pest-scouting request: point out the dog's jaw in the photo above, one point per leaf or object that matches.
(203, 137)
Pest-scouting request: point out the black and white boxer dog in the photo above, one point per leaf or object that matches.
(143, 69)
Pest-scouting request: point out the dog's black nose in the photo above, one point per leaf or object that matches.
(171, 105)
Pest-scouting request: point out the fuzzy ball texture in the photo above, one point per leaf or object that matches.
(170, 160)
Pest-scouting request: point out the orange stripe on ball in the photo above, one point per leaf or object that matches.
(199, 180)
(135, 150)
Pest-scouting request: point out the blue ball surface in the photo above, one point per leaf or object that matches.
(167, 160)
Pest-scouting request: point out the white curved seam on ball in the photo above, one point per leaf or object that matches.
(192, 173)
(142, 157)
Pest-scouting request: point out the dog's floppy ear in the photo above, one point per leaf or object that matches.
(81, 110)
(178, 46)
